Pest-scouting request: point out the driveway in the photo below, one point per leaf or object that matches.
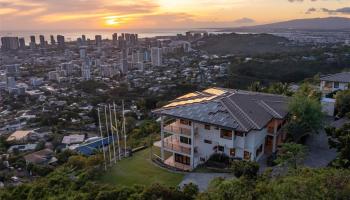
(202, 180)
(319, 153)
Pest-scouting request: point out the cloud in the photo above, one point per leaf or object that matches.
(244, 20)
(345, 10)
(311, 10)
(292, 1)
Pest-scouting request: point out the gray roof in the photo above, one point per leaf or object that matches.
(343, 77)
(235, 109)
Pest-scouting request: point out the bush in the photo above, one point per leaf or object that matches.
(220, 157)
(245, 168)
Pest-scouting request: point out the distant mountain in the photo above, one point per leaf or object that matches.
(329, 23)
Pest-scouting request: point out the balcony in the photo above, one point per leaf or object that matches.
(173, 143)
(175, 129)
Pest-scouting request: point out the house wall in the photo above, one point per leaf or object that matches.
(326, 90)
(252, 141)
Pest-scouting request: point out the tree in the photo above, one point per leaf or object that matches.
(340, 140)
(306, 112)
(342, 102)
(280, 88)
(308, 91)
(291, 154)
(256, 87)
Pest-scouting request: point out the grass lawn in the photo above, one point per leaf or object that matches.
(139, 169)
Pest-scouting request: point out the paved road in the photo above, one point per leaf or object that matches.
(319, 153)
(202, 180)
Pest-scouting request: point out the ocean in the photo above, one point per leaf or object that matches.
(72, 35)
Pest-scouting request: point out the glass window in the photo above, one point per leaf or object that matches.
(226, 134)
(208, 141)
(233, 152)
(336, 84)
(182, 159)
(221, 148)
(185, 140)
(259, 150)
(246, 155)
(238, 133)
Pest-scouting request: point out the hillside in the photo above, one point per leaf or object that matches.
(246, 44)
(329, 23)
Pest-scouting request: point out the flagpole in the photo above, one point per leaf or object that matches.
(111, 121)
(103, 146)
(124, 131)
(109, 146)
(116, 127)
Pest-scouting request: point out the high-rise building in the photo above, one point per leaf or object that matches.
(115, 38)
(60, 40)
(121, 42)
(22, 43)
(98, 40)
(86, 71)
(12, 70)
(11, 82)
(42, 40)
(9, 43)
(52, 39)
(123, 65)
(156, 56)
(32, 38)
(83, 38)
(32, 43)
(82, 52)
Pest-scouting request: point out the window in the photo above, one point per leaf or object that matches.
(185, 140)
(208, 141)
(226, 134)
(221, 148)
(216, 127)
(182, 159)
(207, 127)
(233, 152)
(259, 150)
(247, 155)
(238, 133)
(185, 122)
(336, 84)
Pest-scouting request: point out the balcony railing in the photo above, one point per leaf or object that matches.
(175, 145)
(177, 148)
(177, 130)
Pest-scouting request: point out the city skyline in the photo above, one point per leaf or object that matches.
(159, 14)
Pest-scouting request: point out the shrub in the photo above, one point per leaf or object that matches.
(245, 168)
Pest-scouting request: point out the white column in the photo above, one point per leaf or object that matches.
(274, 137)
(244, 135)
(192, 145)
(162, 137)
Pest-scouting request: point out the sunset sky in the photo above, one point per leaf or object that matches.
(151, 14)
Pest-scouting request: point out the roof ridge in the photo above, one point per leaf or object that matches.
(233, 116)
(268, 108)
(245, 114)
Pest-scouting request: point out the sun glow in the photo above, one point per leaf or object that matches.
(111, 20)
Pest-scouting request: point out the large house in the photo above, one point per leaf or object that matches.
(240, 124)
(334, 82)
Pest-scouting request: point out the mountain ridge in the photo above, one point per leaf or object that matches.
(328, 23)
